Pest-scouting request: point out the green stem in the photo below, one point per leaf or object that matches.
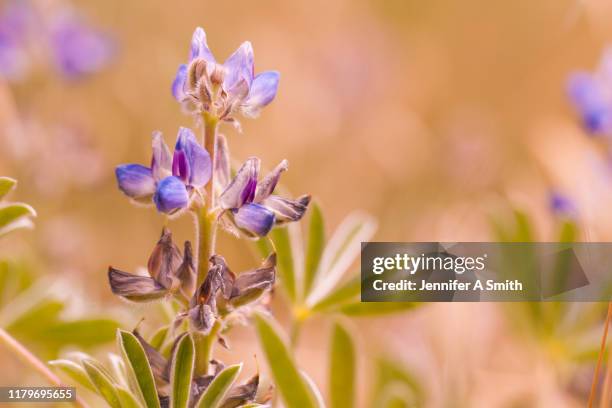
(204, 346)
(27, 357)
(206, 232)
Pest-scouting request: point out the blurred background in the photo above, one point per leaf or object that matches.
(435, 117)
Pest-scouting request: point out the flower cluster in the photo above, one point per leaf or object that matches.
(172, 181)
(71, 45)
(591, 94)
(198, 178)
(223, 90)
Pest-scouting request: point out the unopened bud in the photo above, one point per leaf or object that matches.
(197, 69)
(217, 75)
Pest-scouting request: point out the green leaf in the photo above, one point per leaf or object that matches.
(218, 388)
(6, 185)
(182, 372)
(138, 367)
(341, 295)
(103, 382)
(294, 391)
(340, 253)
(393, 376)
(15, 215)
(285, 262)
(84, 332)
(377, 308)
(159, 338)
(342, 369)
(74, 372)
(314, 247)
(128, 400)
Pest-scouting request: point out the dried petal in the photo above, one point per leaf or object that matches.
(287, 210)
(250, 285)
(133, 287)
(165, 261)
(202, 318)
(186, 272)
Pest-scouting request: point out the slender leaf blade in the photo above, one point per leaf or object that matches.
(218, 388)
(294, 391)
(7, 184)
(314, 246)
(103, 382)
(182, 372)
(74, 371)
(128, 400)
(342, 369)
(138, 366)
(10, 213)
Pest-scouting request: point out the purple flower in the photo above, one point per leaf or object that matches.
(250, 204)
(79, 49)
(14, 22)
(204, 85)
(562, 205)
(171, 181)
(591, 94)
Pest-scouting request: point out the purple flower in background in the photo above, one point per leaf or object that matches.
(250, 204)
(14, 21)
(204, 85)
(171, 181)
(562, 205)
(79, 49)
(591, 94)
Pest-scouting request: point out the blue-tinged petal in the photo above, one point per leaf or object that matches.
(178, 85)
(199, 46)
(239, 67)
(266, 186)
(171, 195)
(191, 162)
(263, 90)
(222, 172)
(161, 161)
(135, 180)
(592, 101)
(254, 218)
(242, 188)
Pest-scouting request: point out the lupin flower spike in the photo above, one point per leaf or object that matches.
(171, 181)
(591, 94)
(222, 90)
(249, 204)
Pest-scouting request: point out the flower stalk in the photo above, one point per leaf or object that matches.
(600, 358)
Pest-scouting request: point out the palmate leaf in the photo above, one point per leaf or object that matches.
(218, 388)
(292, 387)
(138, 367)
(342, 369)
(182, 372)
